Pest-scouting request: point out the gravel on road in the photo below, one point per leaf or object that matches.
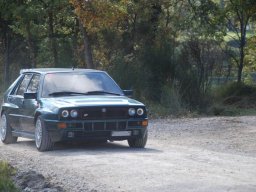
(189, 154)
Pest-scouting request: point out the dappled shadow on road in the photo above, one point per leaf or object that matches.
(75, 148)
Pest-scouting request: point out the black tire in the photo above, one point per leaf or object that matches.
(102, 141)
(98, 141)
(42, 139)
(6, 131)
(140, 142)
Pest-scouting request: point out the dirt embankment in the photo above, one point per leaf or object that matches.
(202, 154)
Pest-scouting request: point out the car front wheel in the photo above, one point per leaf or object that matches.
(139, 142)
(42, 138)
(6, 131)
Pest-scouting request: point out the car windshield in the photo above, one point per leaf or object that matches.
(67, 84)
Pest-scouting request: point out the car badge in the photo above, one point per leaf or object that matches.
(86, 115)
(103, 110)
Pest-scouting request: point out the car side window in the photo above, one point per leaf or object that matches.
(24, 84)
(34, 84)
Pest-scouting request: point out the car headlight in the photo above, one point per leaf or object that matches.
(65, 113)
(74, 113)
(131, 111)
(140, 111)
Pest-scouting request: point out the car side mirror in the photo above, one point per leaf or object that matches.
(28, 95)
(128, 93)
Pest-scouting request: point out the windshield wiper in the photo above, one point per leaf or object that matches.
(61, 93)
(100, 93)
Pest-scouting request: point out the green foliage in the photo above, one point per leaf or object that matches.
(235, 89)
(206, 20)
(171, 100)
(159, 64)
(125, 72)
(197, 60)
(100, 14)
(250, 58)
(166, 51)
(6, 184)
(238, 15)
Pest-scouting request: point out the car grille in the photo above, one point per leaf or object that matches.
(105, 126)
(100, 128)
(99, 113)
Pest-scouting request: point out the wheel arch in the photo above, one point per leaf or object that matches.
(36, 116)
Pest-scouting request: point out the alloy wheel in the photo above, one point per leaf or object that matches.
(38, 133)
(3, 127)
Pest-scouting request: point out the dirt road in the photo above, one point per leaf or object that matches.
(202, 155)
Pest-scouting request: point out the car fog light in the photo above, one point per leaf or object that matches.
(62, 125)
(65, 113)
(74, 113)
(131, 111)
(140, 111)
(144, 123)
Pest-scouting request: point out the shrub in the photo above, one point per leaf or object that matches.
(171, 100)
(6, 171)
(235, 89)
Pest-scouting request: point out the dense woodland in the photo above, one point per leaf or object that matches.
(172, 53)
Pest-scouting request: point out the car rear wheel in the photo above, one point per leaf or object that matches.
(6, 131)
(42, 138)
(140, 142)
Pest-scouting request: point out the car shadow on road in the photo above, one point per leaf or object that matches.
(74, 148)
(99, 148)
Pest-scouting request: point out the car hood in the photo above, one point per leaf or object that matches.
(82, 101)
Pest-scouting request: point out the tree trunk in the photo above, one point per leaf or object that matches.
(74, 44)
(242, 45)
(156, 11)
(31, 45)
(222, 4)
(53, 40)
(7, 41)
(87, 48)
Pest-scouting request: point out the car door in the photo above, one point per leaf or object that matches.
(16, 98)
(30, 105)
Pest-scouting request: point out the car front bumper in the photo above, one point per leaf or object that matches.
(75, 130)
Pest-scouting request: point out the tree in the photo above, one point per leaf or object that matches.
(238, 14)
(6, 34)
(47, 27)
(95, 16)
(26, 23)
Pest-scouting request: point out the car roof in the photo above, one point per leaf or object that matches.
(54, 70)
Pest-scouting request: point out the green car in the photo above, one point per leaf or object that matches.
(52, 105)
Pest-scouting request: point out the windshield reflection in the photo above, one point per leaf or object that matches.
(79, 82)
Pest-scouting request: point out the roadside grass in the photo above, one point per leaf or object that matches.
(6, 183)
(156, 111)
(234, 99)
(233, 110)
(239, 112)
